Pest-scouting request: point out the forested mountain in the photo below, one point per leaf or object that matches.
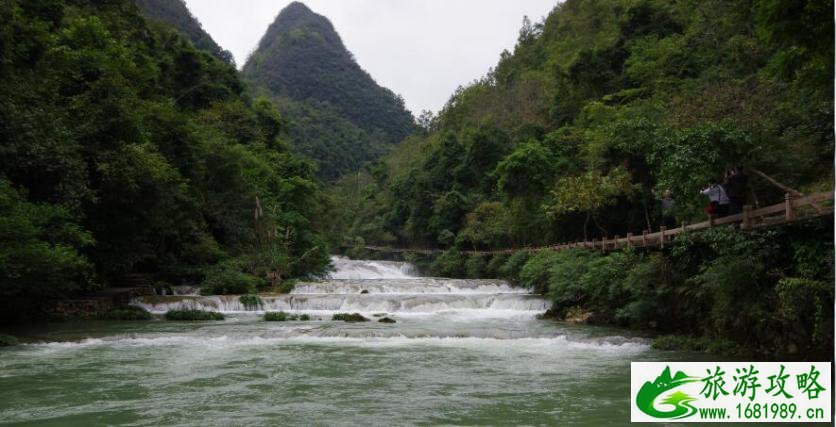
(176, 14)
(599, 111)
(338, 115)
(124, 150)
(601, 108)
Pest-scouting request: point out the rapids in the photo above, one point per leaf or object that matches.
(462, 352)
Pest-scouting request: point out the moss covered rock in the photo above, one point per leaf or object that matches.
(348, 317)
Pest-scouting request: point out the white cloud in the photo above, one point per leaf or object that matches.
(421, 49)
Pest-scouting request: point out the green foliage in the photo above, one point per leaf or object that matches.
(348, 317)
(40, 248)
(566, 274)
(731, 290)
(602, 107)
(275, 316)
(589, 192)
(450, 263)
(251, 302)
(129, 151)
(193, 315)
(223, 280)
(693, 159)
(803, 309)
(8, 341)
(338, 115)
(287, 286)
(493, 266)
(511, 269)
(534, 274)
(281, 316)
(475, 267)
(176, 14)
(128, 313)
(489, 225)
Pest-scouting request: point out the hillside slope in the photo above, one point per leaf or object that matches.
(344, 118)
(176, 14)
(128, 152)
(603, 107)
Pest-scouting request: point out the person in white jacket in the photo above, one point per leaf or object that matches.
(718, 198)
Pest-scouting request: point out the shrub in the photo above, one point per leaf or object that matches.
(805, 309)
(287, 286)
(449, 264)
(284, 317)
(566, 286)
(227, 281)
(251, 301)
(276, 316)
(603, 281)
(649, 293)
(347, 317)
(127, 313)
(493, 266)
(475, 267)
(511, 269)
(193, 315)
(534, 274)
(8, 341)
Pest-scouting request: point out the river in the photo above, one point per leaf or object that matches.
(462, 352)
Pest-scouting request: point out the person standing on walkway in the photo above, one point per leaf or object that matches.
(718, 199)
(735, 186)
(667, 204)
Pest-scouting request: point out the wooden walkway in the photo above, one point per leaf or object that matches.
(793, 209)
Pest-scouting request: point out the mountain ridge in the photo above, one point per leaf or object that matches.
(302, 64)
(176, 14)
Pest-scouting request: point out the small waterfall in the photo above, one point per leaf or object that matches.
(351, 269)
(371, 303)
(373, 287)
(416, 285)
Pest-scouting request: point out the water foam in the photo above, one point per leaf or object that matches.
(351, 269)
(292, 337)
(415, 285)
(363, 303)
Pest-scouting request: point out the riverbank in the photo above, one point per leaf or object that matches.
(760, 294)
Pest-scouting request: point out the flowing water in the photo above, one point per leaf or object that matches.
(462, 352)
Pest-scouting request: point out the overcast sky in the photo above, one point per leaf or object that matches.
(421, 49)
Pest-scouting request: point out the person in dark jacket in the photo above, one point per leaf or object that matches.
(735, 185)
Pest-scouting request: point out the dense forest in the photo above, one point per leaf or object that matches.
(127, 151)
(338, 115)
(133, 148)
(602, 108)
(176, 14)
(599, 110)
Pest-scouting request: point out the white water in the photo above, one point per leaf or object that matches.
(374, 287)
(350, 269)
(463, 352)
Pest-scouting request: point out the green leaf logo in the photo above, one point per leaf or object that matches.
(680, 401)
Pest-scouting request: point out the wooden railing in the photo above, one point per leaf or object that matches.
(791, 210)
